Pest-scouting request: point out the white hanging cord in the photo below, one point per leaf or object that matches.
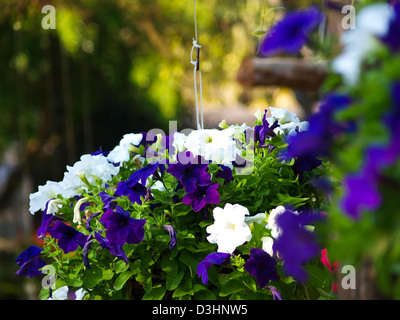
(196, 63)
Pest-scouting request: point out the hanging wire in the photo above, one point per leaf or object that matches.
(196, 63)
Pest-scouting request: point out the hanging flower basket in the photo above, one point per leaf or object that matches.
(211, 214)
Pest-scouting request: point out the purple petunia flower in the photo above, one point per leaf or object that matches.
(225, 173)
(296, 245)
(86, 249)
(291, 33)
(121, 228)
(361, 189)
(202, 195)
(262, 266)
(275, 293)
(261, 132)
(108, 200)
(30, 262)
(68, 238)
(191, 172)
(172, 235)
(361, 193)
(116, 251)
(132, 187)
(316, 142)
(215, 258)
(47, 220)
(391, 39)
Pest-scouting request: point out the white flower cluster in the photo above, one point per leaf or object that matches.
(288, 121)
(372, 22)
(231, 227)
(89, 169)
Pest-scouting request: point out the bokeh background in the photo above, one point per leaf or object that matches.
(111, 68)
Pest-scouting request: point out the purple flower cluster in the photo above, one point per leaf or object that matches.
(192, 174)
(291, 33)
(307, 147)
(296, 245)
(361, 189)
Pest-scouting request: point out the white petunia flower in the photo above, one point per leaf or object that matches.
(80, 294)
(372, 21)
(288, 121)
(87, 170)
(38, 200)
(267, 245)
(60, 294)
(121, 153)
(215, 145)
(179, 141)
(229, 229)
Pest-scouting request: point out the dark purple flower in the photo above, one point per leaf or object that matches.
(200, 196)
(262, 132)
(225, 173)
(172, 235)
(296, 245)
(275, 293)
(116, 251)
(86, 249)
(391, 39)
(192, 172)
(100, 152)
(262, 266)
(132, 187)
(121, 228)
(108, 200)
(68, 238)
(47, 220)
(93, 215)
(30, 262)
(291, 33)
(215, 258)
(307, 146)
(361, 193)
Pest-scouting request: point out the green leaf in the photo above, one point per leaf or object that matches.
(231, 287)
(122, 279)
(174, 281)
(155, 293)
(317, 277)
(91, 277)
(169, 266)
(190, 260)
(120, 266)
(250, 283)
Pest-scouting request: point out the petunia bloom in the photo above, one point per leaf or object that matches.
(121, 228)
(262, 266)
(190, 171)
(307, 146)
(30, 262)
(201, 196)
(262, 132)
(115, 250)
(172, 235)
(135, 187)
(291, 33)
(229, 229)
(215, 258)
(68, 238)
(296, 245)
